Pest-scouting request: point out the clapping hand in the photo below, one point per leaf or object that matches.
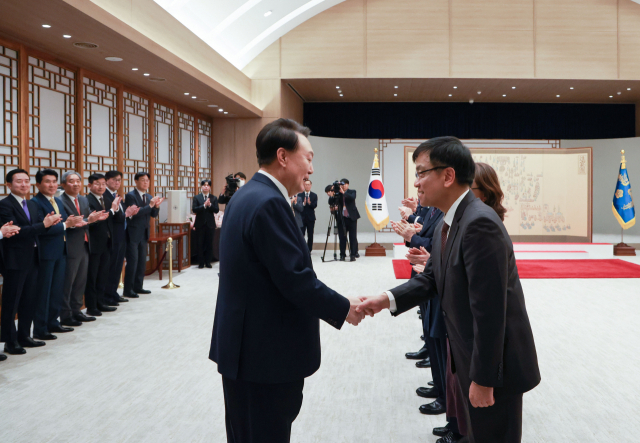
(95, 216)
(52, 219)
(207, 203)
(404, 212)
(156, 201)
(417, 227)
(418, 256)
(373, 304)
(411, 203)
(116, 203)
(9, 230)
(404, 229)
(75, 221)
(354, 317)
(131, 211)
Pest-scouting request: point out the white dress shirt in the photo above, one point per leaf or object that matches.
(448, 219)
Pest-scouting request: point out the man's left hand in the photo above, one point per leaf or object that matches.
(480, 396)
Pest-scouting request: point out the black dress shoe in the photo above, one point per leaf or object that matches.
(357, 255)
(94, 312)
(419, 311)
(3, 357)
(431, 383)
(343, 258)
(420, 355)
(208, 265)
(112, 303)
(201, 266)
(31, 343)
(123, 300)
(14, 349)
(142, 291)
(422, 337)
(60, 329)
(69, 322)
(47, 336)
(426, 363)
(427, 392)
(434, 408)
(105, 308)
(420, 317)
(441, 432)
(83, 318)
(131, 295)
(352, 258)
(450, 438)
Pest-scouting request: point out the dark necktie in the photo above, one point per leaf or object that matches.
(445, 230)
(26, 209)
(433, 211)
(102, 203)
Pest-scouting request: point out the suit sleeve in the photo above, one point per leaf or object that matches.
(420, 288)
(31, 231)
(53, 230)
(214, 208)
(196, 207)
(298, 206)
(350, 195)
(314, 201)
(274, 236)
(417, 241)
(486, 265)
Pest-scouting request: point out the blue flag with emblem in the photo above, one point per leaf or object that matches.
(622, 206)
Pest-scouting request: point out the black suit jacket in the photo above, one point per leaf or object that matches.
(425, 237)
(75, 236)
(297, 210)
(118, 220)
(482, 301)
(309, 211)
(52, 242)
(422, 212)
(266, 326)
(19, 250)
(349, 199)
(101, 231)
(204, 216)
(138, 225)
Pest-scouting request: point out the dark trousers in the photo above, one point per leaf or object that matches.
(136, 262)
(98, 274)
(75, 282)
(204, 241)
(500, 423)
(18, 297)
(50, 295)
(260, 412)
(307, 226)
(438, 355)
(115, 270)
(351, 227)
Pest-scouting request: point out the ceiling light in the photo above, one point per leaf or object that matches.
(268, 13)
(504, 95)
(479, 92)
(571, 87)
(113, 59)
(186, 93)
(337, 87)
(134, 69)
(193, 96)
(212, 106)
(46, 26)
(450, 95)
(513, 87)
(628, 89)
(146, 75)
(220, 110)
(341, 95)
(66, 36)
(558, 95)
(611, 96)
(226, 112)
(339, 91)
(619, 93)
(396, 87)
(395, 95)
(455, 87)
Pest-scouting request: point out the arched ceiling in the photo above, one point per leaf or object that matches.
(239, 30)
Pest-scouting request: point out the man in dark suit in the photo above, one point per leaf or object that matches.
(298, 207)
(309, 203)
(53, 258)
(138, 232)
(8, 230)
(473, 268)
(21, 262)
(224, 196)
(348, 216)
(266, 336)
(118, 239)
(100, 241)
(204, 205)
(78, 251)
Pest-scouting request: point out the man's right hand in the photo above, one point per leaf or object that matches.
(95, 216)
(52, 219)
(373, 304)
(131, 211)
(74, 221)
(354, 317)
(9, 230)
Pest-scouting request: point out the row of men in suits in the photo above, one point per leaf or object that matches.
(69, 251)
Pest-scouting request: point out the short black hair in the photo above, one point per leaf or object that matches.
(42, 173)
(449, 152)
(345, 181)
(207, 181)
(112, 174)
(241, 174)
(13, 172)
(142, 174)
(328, 188)
(94, 177)
(282, 133)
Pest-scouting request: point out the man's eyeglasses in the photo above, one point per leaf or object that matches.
(420, 174)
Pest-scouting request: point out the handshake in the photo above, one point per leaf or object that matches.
(370, 306)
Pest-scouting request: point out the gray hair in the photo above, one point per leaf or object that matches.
(67, 174)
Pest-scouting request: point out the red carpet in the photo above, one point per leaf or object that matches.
(612, 268)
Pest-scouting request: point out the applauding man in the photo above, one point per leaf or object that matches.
(138, 232)
(309, 204)
(204, 206)
(473, 269)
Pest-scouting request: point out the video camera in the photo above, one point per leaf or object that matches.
(336, 186)
(232, 185)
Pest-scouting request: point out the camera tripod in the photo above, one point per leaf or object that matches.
(333, 220)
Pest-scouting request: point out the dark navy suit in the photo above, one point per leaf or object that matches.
(137, 237)
(266, 332)
(309, 216)
(118, 247)
(419, 215)
(53, 262)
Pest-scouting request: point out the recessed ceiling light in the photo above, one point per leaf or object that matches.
(146, 75)
(395, 95)
(479, 92)
(134, 69)
(193, 96)
(619, 93)
(611, 96)
(341, 95)
(513, 87)
(268, 13)
(395, 87)
(186, 93)
(504, 95)
(212, 106)
(628, 89)
(66, 36)
(339, 91)
(226, 112)
(571, 87)
(450, 95)
(455, 87)
(113, 59)
(558, 95)
(337, 87)
(220, 110)
(46, 26)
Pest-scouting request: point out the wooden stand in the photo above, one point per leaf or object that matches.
(624, 249)
(375, 250)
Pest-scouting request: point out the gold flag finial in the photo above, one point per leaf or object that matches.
(376, 163)
(624, 162)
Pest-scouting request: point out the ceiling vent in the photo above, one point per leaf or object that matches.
(157, 79)
(85, 45)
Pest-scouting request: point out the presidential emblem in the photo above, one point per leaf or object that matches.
(619, 193)
(624, 179)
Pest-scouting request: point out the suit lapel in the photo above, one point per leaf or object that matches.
(71, 206)
(18, 208)
(45, 201)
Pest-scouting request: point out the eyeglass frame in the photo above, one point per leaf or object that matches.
(419, 173)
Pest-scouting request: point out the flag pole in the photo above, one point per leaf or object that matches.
(623, 249)
(375, 249)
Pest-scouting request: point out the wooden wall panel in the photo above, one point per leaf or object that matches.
(265, 94)
(266, 64)
(629, 44)
(330, 44)
(638, 119)
(292, 105)
(483, 53)
(577, 15)
(388, 15)
(407, 53)
(516, 15)
(629, 16)
(223, 146)
(576, 54)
